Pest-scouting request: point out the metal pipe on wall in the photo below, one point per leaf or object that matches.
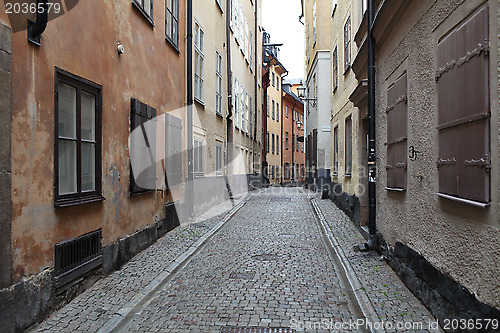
(372, 157)
(190, 101)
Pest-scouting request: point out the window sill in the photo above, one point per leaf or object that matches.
(134, 194)
(466, 201)
(347, 175)
(199, 175)
(219, 174)
(143, 12)
(395, 189)
(172, 44)
(199, 101)
(347, 69)
(69, 202)
(219, 114)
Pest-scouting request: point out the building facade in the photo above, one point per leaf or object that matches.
(71, 101)
(292, 143)
(274, 122)
(317, 14)
(437, 117)
(217, 128)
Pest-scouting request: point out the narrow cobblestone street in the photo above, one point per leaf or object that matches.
(267, 266)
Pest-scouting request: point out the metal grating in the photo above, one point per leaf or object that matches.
(78, 256)
(266, 257)
(242, 276)
(233, 329)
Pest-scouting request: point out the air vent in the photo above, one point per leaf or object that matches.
(77, 257)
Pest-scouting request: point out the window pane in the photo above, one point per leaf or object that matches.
(67, 111)
(168, 24)
(67, 166)
(88, 116)
(147, 6)
(88, 166)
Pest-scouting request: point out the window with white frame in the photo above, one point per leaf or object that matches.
(218, 158)
(199, 41)
(277, 111)
(198, 156)
(236, 103)
(347, 44)
(218, 83)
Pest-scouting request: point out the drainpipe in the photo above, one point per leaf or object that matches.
(257, 72)
(229, 121)
(372, 157)
(190, 101)
(35, 29)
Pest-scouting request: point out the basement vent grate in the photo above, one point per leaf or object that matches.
(76, 257)
(232, 329)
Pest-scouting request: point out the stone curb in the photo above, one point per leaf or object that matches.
(152, 287)
(361, 297)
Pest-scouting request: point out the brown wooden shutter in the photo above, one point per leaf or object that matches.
(463, 121)
(140, 114)
(397, 134)
(173, 146)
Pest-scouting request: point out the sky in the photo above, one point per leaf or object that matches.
(281, 20)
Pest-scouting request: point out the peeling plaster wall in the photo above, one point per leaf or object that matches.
(83, 42)
(460, 240)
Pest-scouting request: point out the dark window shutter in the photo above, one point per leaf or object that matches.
(463, 121)
(173, 146)
(397, 133)
(142, 119)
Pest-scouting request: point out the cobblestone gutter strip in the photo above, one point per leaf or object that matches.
(389, 297)
(145, 294)
(361, 297)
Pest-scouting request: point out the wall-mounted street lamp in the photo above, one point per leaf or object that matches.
(302, 95)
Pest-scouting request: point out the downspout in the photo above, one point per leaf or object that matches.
(372, 157)
(229, 121)
(189, 82)
(257, 72)
(35, 29)
(282, 122)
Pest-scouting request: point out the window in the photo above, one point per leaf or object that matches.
(199, 41)
(297, 137)
(267, 106)
(272, 172)
(277, 111)
(145, 7)
(335, 79)
(236, 100)
(286, 140)
(314, 22)
(364, 6)
(336, 150)
(397, 134)
(219, 3)
(278, 83)
(462, 78)
(218, 83)
(347, 44)
(277, 144)
(172, 22)
(273, 109)
(286, 111)
(78, 145)
(251, 121)
(348, 146)
(198, 156)
(218, 158)
(267, 142)
(273, 79)
(273, 143)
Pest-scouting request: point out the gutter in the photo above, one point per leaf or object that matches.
(190, 101)
(35, 29)
(372, 157)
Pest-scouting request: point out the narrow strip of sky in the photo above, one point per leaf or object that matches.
(281, 20)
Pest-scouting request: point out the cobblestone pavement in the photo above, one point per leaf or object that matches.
(267, 267)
